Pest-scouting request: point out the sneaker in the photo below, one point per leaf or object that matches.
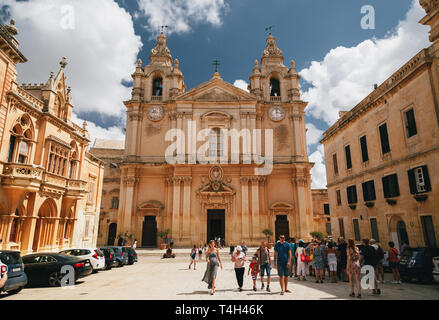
(399, 282)
(268, 289)
(281, 293)
(263, 287)
(394, 282)
(254, 289)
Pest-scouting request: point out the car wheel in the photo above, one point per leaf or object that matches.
(55, 279)
(15, 291)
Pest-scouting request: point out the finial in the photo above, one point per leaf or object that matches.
(216, 63)
(256, 64)
(139, 63)
(176, 63)
(69, 90)
(63, 62)
(11, 28)
(84, 125)
(51, 75)
(293, 64)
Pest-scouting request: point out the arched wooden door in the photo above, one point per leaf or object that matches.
(112, 229)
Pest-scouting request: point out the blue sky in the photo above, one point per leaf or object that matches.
(338, 60)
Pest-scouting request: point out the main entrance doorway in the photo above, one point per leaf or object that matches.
(216, 224)
(282, 226)
(112, 234)
(149, 234)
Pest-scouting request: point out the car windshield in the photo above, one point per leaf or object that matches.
(9, 258)
(100, 253)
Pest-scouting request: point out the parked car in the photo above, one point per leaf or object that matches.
(45, 268)
(436, 269)
(121, 255)
(419, 266)
(132, 255)
(96, 256)
(17, 278)
(110, 258)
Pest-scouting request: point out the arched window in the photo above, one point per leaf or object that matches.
(274, 87)
(157, 87)
(20, 140)
(215, 143)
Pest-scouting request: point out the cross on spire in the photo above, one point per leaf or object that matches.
(216, 63)
(269, 29)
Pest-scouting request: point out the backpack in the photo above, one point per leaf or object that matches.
(380, 254)
(371, 255)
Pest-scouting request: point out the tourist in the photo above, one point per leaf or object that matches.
(244, 247)
(353, 267)
(193, 256)
(232, 248)
(293, 268)
(239, 259)
(218, 242)
(264, 264)
(254, 269)
(343, 259)
(380, 258)
(213, 260)
(120, 241)
(332, 262)
(310, 253)
(166, 241)
(324, 246)
(319, 262)
(3, 277)
(168, 254)
(368, 257)
(135, 244)
(301, 263)
(282, 258)
(394, 262)
(404, 248)
(171, 242)
(200, 252)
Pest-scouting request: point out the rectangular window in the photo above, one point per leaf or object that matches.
(429, 234)
(334, 160)
(391, 186)
(369, 191)
(328, 228)
(338, 194)
(347, 150)
(374, 229)
(326, 209)
(384, 136)
(356, 230)
(115, 203)
(352, 194)
(410, 123)
(364, 152)
(419, 180)
(341, 227)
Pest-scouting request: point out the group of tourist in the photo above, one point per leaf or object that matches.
(339, 260)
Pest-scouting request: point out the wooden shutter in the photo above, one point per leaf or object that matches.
(386, 187)
(364, 152)
(411, 123)
(412, 181)
(384, 136)
(348, 157)
(334, 159)
(426, 179)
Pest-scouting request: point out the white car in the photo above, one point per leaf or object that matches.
(436, 269)
(94, 255)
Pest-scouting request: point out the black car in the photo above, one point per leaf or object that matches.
(132, 255)
(110, 258)
(45, 268)
(17, 278)
(121, 255)
(418, 264)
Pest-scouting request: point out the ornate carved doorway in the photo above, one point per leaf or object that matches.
(216, 224)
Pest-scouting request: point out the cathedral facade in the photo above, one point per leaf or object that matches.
(214, 160)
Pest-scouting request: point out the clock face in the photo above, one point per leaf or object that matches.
(155, 113)
(277, 113)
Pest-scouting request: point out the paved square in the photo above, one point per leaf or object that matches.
(155, 279)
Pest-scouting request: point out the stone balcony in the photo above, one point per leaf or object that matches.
(26, 176)
(53, 184)
(156, 98)
(276, 99)
(76, 189)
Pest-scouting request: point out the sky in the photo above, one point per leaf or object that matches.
(338, 60)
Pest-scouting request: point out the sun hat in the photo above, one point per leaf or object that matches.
(238, 248)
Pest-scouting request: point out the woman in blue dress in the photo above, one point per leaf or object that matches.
(319, 262)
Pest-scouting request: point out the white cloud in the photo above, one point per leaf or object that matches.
(180, 15)
(101, 49)
(347, 75)
(96, 132)
(313, 134)
(241, 84)
(318, 172)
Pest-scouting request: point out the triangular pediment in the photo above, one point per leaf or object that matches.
(216, 90)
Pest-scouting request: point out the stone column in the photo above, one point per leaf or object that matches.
(176, 210)
(186, 234)
(301, 185)
(256, 232)
(245, 223)
(126, 210)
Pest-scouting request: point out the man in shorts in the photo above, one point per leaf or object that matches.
(293, 268)
(264, 264)
(282, 257)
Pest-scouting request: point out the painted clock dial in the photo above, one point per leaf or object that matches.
(155, 113)
(277, 113)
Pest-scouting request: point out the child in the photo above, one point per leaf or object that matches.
(254, 268)
(200, 252)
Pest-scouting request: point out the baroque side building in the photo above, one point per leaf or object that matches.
(50, 185)
(199, 201)
(382, 157)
